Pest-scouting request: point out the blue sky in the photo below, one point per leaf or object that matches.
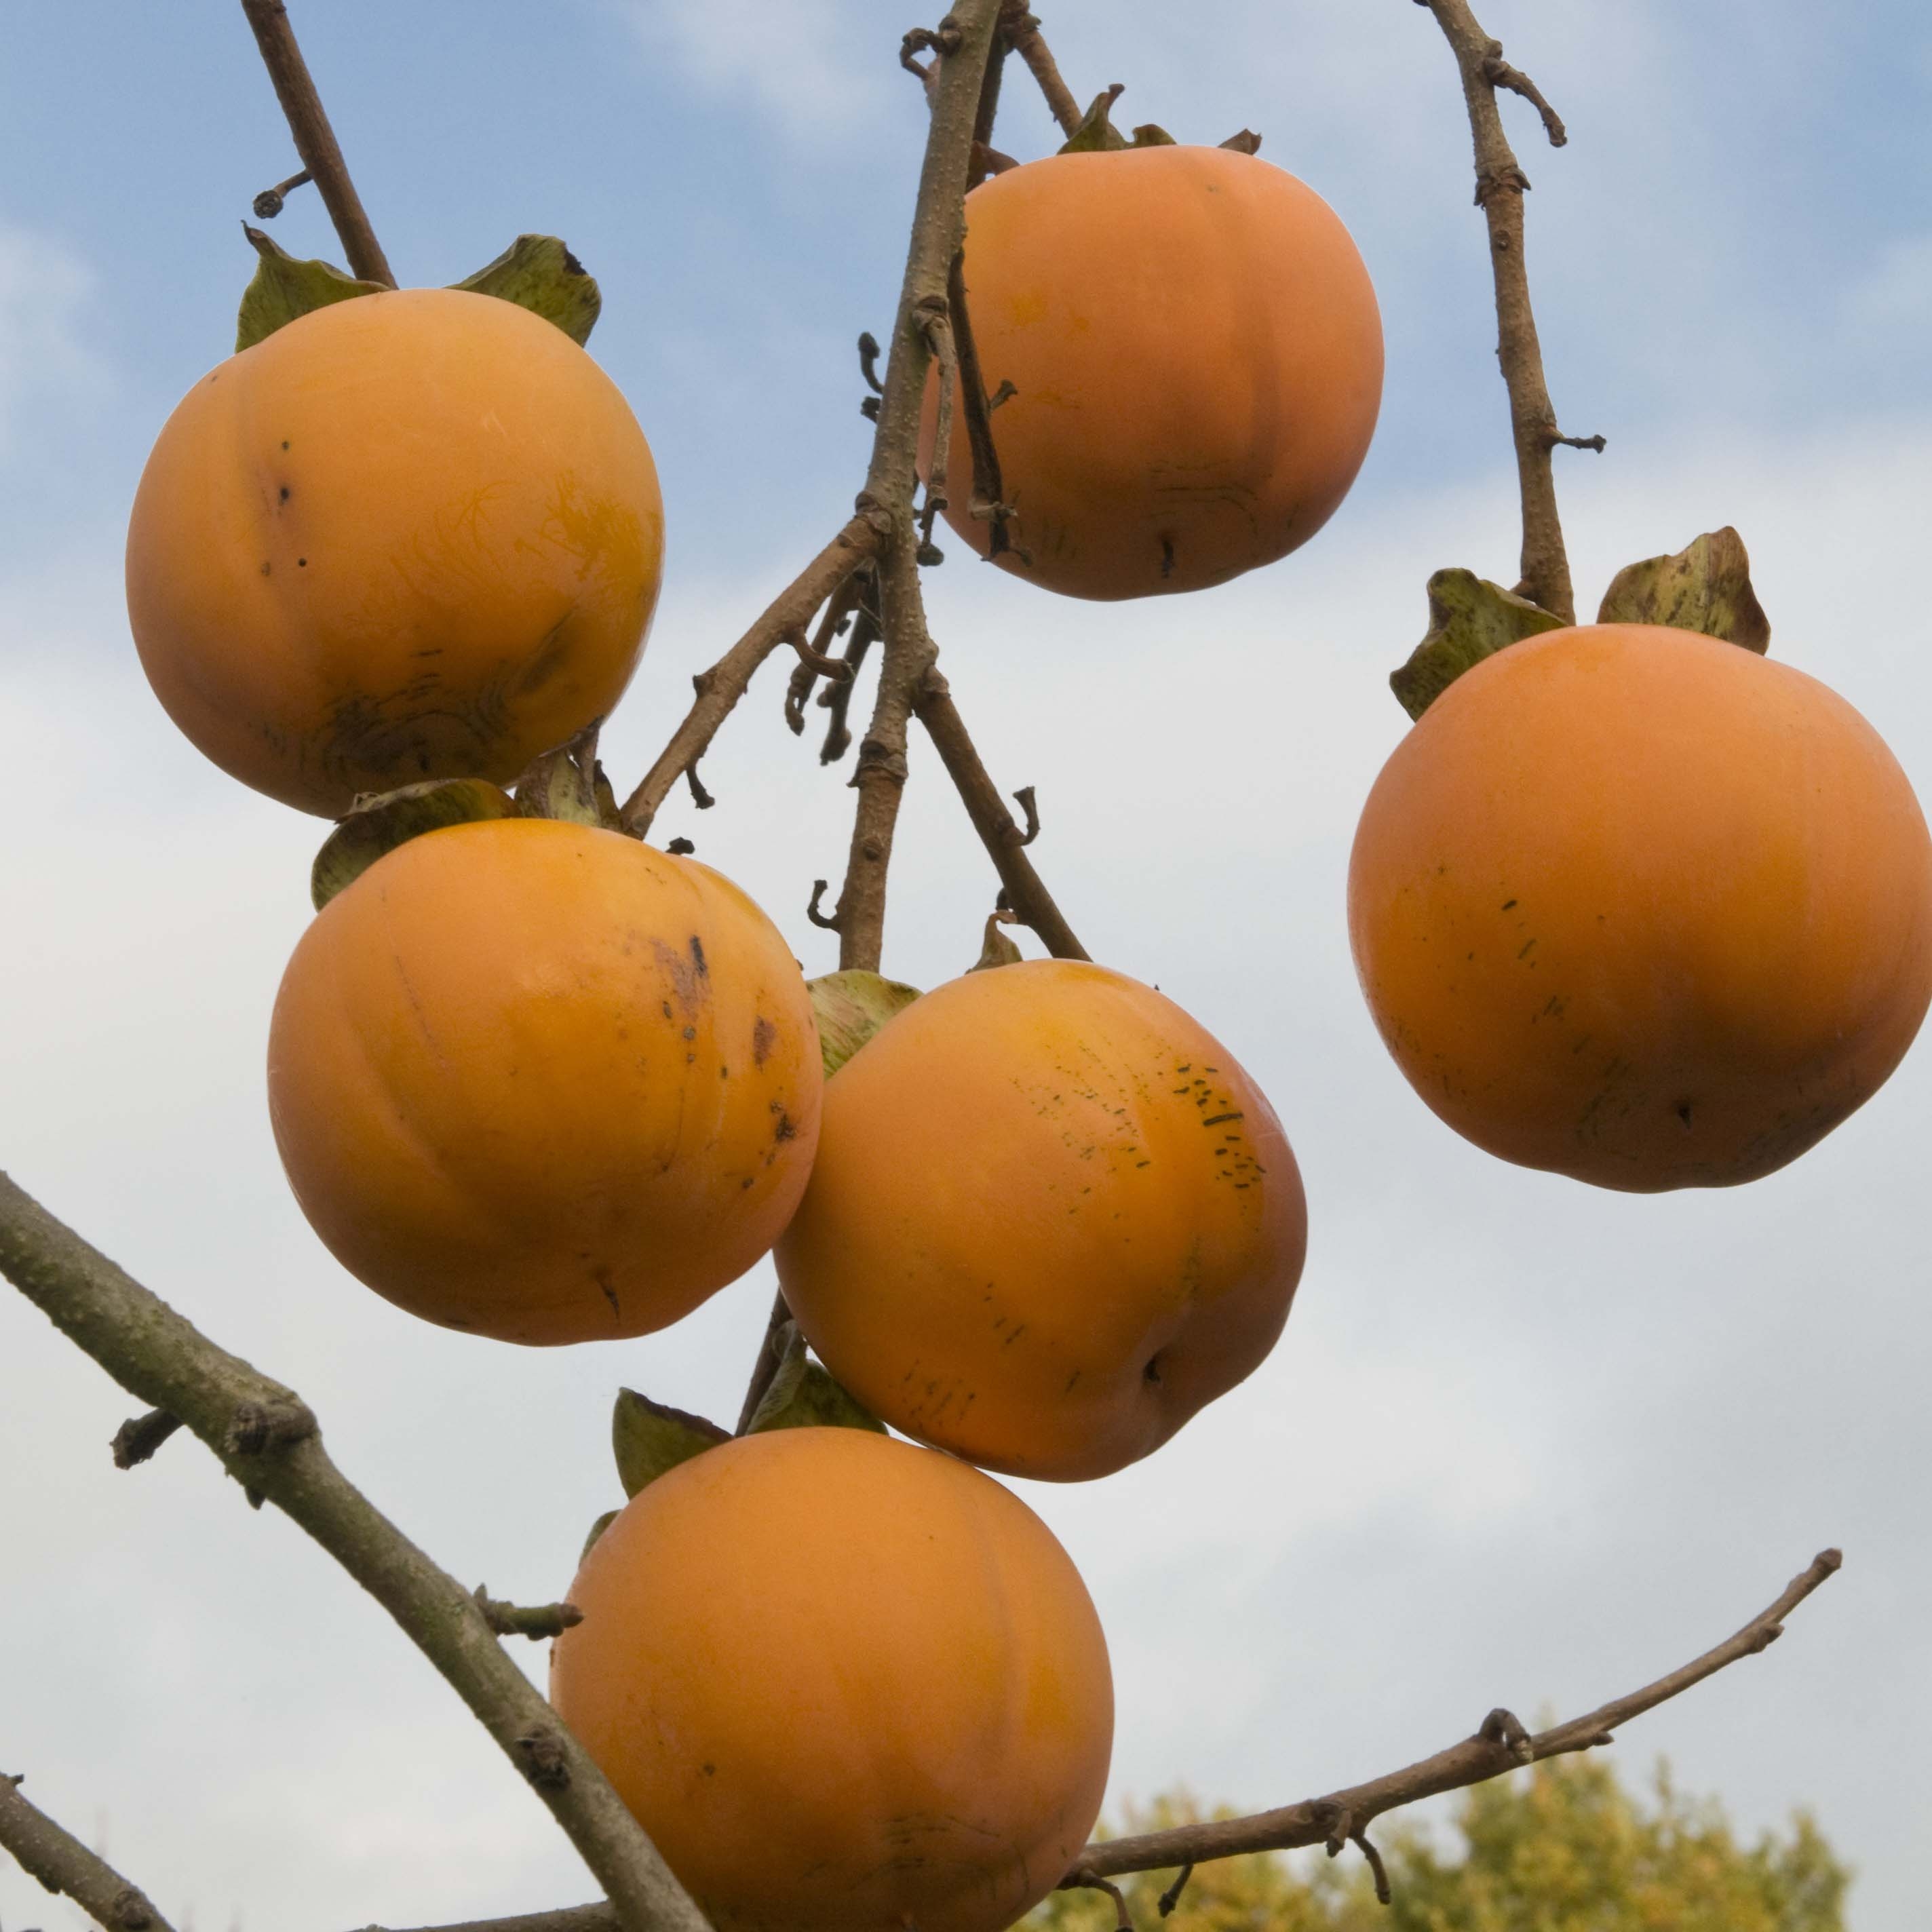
(1523, 1442)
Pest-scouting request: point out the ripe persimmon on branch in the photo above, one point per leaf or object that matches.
(830, 1207)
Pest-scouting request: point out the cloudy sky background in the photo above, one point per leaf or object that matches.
(1524, 1442)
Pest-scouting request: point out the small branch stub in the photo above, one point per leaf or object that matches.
(545, 1620)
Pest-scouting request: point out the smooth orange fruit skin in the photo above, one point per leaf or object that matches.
(538, 1081)
(1635, 905)
(846, 1685)
(1050, 1219)
(415, 534)
(1197, 354)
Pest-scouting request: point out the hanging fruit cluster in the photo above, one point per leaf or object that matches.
(1630, 902)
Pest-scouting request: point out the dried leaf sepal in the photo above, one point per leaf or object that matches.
(850, 1007)
(1470, 619)
(1705, 587)
(284, 287)
(803, 1395)
(380, 821)
(649, 1438)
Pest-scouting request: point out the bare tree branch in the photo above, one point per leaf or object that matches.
(719, 688)
(140, 1436)
(1004, 842)
(315, 139)
(1501, 184)
(1023, 29)
(1501, 1745)
(267, 1439)
(66, 1867)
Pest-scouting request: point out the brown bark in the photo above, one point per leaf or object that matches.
(1501, 184)
(315, 139)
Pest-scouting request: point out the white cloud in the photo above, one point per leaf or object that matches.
(817, 68)
(45, 292)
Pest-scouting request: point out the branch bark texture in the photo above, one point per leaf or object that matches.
(315, 139)
(719, 688)
(1500, 1745)
(52, 1855)
(938, 229)
(267, 1438)
(1501, 184)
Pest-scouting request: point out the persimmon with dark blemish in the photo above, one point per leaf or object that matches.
(503, 1113)
(1687, 894)
(476, 520)
(1012, 1199)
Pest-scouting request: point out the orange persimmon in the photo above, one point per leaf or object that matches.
(1632, 904)
(847, 1684)
(1195, 356)
(1050, 1219)
(538, 1080)
(414, 534)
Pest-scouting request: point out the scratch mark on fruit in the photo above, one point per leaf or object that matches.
(1214, 1120)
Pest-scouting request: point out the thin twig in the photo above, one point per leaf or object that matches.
(315, 139)
(837, 615)
(1023, 30)
(836, 699)
(1003, 840)
(535, 1621)
(66, 1867)
(1502, 1744)
(939, 336)
(268, 203)
(140, 1436)
(267, 1439)
(989, 490)
(965, 45)
(720, 688)
(981, 160)
(1501, 184)
(1499, 74)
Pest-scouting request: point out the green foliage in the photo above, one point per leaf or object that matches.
(1564, 1848)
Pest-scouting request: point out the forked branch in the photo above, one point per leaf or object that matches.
(315, 139)
(268, 1440)
(1501, 184)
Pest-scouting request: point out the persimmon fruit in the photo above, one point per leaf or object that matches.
(539, 1081)
(1196, 357)
(1050, 1219)
(846, 1685)
(414, 534)
(1632, 904)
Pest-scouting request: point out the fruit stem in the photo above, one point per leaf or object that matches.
(1501, 184)
(315, 139)
(1023, 32)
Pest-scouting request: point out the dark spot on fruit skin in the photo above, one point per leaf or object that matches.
(285, 446)
(1152, 1371)
(1167, 557)
(1509, 905)
(690, 1032)
(285, 493)
(266, 567)
(301, 563)
(697, 957)
(784, 1130)
(764, 1036)
(1683, 1115)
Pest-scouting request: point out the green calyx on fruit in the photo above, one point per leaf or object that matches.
(1470, 619)
(804, 1395)
(1705, 587)
(382, 821)
(539, 273)
(649, 1438)
(996, 948)
(284, 288)
(1097, 135)
(536, 272)
(850, 1007)
(568, 782)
